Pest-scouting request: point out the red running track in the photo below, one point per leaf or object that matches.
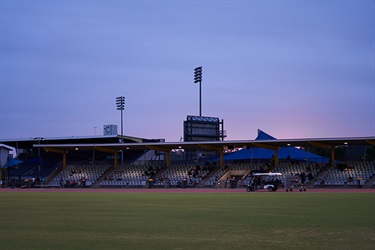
(180, 190)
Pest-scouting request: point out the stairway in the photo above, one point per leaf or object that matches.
(53, 175)
(369, 182)
(106, 173)
(207, 177)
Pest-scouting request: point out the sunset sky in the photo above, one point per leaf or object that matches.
(295, 69)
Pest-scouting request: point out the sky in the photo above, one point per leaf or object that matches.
(294, 69)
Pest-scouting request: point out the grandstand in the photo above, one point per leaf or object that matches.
(92, 164)
(136, 176)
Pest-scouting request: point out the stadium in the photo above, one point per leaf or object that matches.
(298, 74)
(119, 192)
(115, 161)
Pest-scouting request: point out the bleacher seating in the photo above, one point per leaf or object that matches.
(349, 176)
(178, 173)
(296, 168)
(127, 176)
(137, 175)
(74, 173)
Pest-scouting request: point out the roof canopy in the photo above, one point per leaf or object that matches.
(263, 141)
(217, 145)
(265, 153)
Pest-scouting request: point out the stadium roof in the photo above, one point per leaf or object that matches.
(30, 142)
(111, 144)
(216, 145)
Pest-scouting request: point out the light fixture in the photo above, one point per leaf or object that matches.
(198, 79)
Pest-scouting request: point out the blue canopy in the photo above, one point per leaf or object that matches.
(284, 153)
(12, 162)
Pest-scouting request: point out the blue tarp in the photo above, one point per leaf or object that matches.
(264, 136)
(12, 162)
(262, 153)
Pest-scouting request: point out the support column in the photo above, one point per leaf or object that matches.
(219, 149)
(115, 164)
(276, 160)
(59, 151)
(111, 151)
(64, 160)
(332, 155)
(271, 147)
(168, 154)
(221, 158)
(165, 150)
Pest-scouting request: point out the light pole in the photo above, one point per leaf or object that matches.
(120, 102)
(39, 156)
(198, 78)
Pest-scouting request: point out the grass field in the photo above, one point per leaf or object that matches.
(62, 220)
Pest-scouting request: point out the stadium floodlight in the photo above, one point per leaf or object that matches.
(198, 78)
(120, 102)
(198, 74)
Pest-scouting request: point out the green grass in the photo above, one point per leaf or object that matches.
(187, 220)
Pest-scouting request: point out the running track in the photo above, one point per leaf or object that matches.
(180, 190)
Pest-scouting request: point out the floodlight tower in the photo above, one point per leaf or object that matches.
(120, 102)
(198, 78)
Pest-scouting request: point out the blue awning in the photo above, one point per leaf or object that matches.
(284, 153)
(12, 162)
